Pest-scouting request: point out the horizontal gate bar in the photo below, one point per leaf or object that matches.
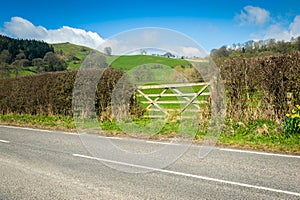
(176, 95)
(174, 102)
(171, 85)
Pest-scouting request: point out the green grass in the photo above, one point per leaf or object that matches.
(127, 63)
(60, 122)
(26, 73)
(68, 50)
(23, 72)
(257, 134)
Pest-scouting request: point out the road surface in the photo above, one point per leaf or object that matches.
(37, 164)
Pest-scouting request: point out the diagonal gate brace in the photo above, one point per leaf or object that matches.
(193, 99)
(153, 102)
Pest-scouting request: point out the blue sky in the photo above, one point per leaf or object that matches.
(210, 23)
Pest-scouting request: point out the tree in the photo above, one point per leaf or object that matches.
(17, 67)
(143, 51)
(298, 43)
(218, 53)
(39, 63)
(24, 49)
(20, 56)
(4, 56)
(54, 63)
(169, 55)
(108, 50)
(5, 70)
(61, 52)
(249, 45)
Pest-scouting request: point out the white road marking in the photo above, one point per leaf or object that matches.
(157, 142)
(111, 138)
(4, 141)
(199, 146)
(38, 130)
(259, 153)
(189, 175)
(164, 143)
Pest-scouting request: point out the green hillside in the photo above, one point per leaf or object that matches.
(74, 56)
(128, 62)
(28, 61)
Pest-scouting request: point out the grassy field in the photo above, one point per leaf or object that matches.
(74, 54)
(125, 63)
(23, 72)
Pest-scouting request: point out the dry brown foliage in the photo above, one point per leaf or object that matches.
(260, 87)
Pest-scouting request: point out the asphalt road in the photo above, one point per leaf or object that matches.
(37, 164)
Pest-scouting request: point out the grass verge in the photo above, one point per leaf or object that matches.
(259, 134)
(35, 121)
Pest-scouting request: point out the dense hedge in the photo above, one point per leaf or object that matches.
(51, 93)
(260, 87)
(255, 87)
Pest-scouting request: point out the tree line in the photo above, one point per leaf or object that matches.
(34, 56)
(253, 48)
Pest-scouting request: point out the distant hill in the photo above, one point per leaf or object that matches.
(128, 62)
(251, 48)
(20, 57)
(74, 55)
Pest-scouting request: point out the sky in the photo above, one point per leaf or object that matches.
(210, 23)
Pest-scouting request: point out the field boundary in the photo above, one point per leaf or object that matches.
(185, 99)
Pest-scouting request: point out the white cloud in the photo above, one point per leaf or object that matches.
(251, 15)
(23, 28)
(124, 43)
(150, 39)
(192, 52)
(295, 27)
(278, 32)
(124, 47)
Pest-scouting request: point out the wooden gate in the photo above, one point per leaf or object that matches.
(173, 98)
